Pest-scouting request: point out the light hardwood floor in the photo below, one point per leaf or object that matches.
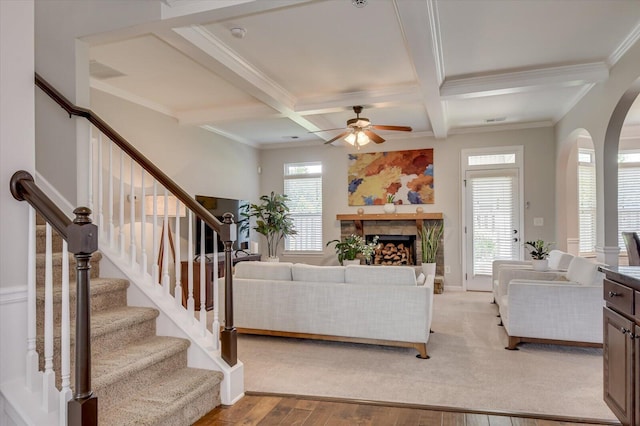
(292, 410)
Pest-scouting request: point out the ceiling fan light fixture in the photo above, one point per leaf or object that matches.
(357, 139)
(359, 3)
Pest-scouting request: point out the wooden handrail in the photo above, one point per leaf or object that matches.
(82, 238)
(222, 230)
(228, 336)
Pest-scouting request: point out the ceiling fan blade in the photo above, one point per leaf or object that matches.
(337, 137)
(373, 136)
(326, 130)
(398, 128)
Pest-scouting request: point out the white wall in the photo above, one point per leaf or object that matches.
(539, 178)
(16, 152)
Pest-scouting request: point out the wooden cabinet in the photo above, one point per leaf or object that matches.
(619, 365)
(621, 338)
(208, 281)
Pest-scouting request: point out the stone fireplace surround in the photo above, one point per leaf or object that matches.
(392, 224)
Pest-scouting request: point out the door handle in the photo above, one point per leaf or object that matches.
(515, 240)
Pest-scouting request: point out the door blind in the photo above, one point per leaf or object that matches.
(493, 221)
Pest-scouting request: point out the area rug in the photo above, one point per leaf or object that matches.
(469, 367)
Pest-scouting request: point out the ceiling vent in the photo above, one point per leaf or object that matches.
(495, 120)
(103, 72)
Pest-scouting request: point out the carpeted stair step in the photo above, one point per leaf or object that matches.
(41, 239)
(56, 262)
(110, 330)
(106, 293)
(118, 375)
(179, 399)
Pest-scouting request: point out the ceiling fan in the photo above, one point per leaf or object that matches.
(359, 133)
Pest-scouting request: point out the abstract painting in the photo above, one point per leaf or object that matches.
(407, 175)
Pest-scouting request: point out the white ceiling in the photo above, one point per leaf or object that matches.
(439, 66)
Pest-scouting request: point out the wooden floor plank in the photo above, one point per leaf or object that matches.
(291, 410)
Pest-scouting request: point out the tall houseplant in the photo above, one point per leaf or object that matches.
(430, 241)
(273, 220)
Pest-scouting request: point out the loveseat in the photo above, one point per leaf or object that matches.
(382, 305)
(553, 307)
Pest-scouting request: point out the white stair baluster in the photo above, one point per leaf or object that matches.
(65, 339)
(132, 218)
(190, 300)
(155, 272)
(177, 264)
(215, 326)
(90, 167)
(143, 226)
(100, 189)
(166, 280)
(203, 288)
(112, 230)
(33, 376)
(121, 209)
(49, 379)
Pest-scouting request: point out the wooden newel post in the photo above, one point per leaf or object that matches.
(229, 335)
(83, 241)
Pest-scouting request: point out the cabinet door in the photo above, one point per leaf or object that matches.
(618, 365)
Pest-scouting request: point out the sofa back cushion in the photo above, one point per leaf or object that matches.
(264, 270)
(312, 273)
(559, 260)
(584, 272)
(380, 275)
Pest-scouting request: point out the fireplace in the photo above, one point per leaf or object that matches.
(394, 250)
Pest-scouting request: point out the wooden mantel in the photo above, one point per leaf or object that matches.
(392, 216)
(359, 218)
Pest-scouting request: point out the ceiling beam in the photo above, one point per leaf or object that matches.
(524, 81)
(421, 29)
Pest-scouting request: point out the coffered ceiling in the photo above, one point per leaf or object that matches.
(439, 66)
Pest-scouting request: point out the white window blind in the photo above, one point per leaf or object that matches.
(628, 197)
(493, 221)
(303, 186)
(587, 201)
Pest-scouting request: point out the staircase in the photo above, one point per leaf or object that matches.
(139, 378)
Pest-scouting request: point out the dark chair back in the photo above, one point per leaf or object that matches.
(632, 241)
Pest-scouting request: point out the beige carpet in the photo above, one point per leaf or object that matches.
(469, 367)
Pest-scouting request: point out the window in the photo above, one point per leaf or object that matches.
(303, 186)
(587, 200)
(628, 194)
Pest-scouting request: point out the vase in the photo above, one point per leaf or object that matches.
(389, 208)
(346, 262)
(273, 259)
(540, 264)
(429, 269)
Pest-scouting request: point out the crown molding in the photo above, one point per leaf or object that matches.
(522, 81)
(573, 102)
(626, 44)
(500, 127)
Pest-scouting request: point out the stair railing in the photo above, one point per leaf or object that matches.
(80, 237)
(112, 187)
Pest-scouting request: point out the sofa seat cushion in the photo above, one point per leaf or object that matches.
(312, 273)
(380, 275)
(264, 270)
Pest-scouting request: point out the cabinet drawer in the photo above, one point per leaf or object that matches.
(619, 297)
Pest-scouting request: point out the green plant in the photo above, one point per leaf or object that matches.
(272, 219)
(430, 240)
(391, 198)
(352, 246)
(539, 249)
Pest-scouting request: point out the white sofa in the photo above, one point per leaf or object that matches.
(558, 261)
(365, 304)
(553, 307)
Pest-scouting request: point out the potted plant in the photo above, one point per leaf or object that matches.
(390, 206)
(272, 220)
(348, 249)
(539, 251)
(430, 241)
(368, 249)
